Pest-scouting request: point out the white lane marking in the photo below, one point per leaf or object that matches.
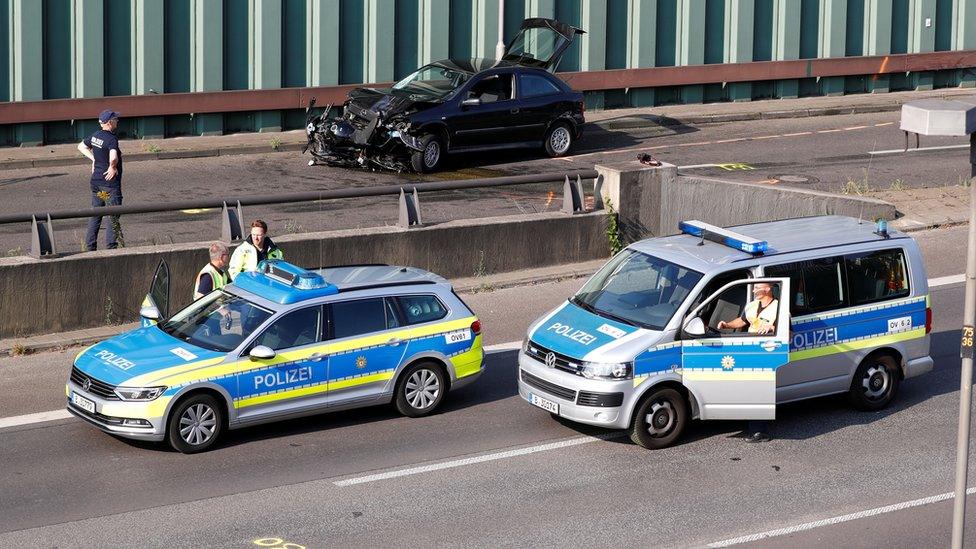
(16, 421)
(575, 441)
(920, 149)
(691, 166)
(837, 520)
(53, 415)
(946, 280)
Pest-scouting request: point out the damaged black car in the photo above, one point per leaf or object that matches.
(458, 105)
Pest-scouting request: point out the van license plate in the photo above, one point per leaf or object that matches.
(545, 404)
(83, 403)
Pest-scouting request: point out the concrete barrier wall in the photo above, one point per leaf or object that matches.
(107, 286)
(653, 200)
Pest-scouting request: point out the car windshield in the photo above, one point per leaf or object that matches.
(637, 289)
(433, 82)
(218, 321)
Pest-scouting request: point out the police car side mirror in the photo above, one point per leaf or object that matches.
(695, 327)
(261, 352)
(150, 312)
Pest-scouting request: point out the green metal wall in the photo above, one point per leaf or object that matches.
(88, 48)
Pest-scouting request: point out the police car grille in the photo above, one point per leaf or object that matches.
(99, 388)
(563, 362)
(548, 386)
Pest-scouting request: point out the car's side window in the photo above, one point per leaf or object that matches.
(877, 276)
(362, 316)
(418, 309)
(497, 87)
(532, 85)
(294, 329)
(816, 285)
(728, 305)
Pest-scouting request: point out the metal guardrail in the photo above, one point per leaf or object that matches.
(51, 110)
(232, 226)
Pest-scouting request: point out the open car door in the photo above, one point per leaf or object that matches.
(732, 373)
(540, 43)
(155, 306)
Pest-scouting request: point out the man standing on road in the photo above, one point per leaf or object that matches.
(102, 148)
(212, 276)
(254, 250)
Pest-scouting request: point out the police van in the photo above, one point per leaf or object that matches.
(720, 323)
(278, 343)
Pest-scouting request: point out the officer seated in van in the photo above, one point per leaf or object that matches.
(759, 315)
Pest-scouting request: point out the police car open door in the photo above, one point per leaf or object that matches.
(732, 345)
(155, 306)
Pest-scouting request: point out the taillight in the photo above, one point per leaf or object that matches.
(476, 327)
(928, 319)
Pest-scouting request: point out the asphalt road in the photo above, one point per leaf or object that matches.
(824, 153)
(490, 470)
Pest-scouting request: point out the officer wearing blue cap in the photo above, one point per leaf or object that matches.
(102, 148)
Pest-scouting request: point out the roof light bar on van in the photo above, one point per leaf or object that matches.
(722, 236)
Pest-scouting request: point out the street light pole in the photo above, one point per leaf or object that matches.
(500, 46)
(966, 352)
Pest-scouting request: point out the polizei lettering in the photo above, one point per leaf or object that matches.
(575, 335)
(283, 377)
(814, 338)
(115, 360)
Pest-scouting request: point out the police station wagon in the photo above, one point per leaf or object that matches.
(279, 343)
(725, 324)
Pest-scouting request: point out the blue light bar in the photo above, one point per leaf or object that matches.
(722, 236)
(292, 275)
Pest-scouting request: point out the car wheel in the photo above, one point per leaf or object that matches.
(659, 420)
(195, 424)
(559, 139)
(420, 389)
(875, 383)
(430, 155)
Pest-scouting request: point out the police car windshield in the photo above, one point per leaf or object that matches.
(638, 289)
(218, 321)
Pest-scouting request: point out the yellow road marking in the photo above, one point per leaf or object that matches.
(196, 210)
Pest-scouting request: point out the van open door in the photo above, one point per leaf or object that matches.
(540, 43)
(155, 306)
(732, 371)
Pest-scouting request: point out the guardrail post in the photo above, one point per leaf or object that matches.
(597, 192)
(409, 209)
(232, 223)
(42, 238)
(572, 196)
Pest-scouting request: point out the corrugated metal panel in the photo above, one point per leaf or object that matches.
(4, 59)
(294, 50)
(118, 47)
(176, 21)
(351, 36)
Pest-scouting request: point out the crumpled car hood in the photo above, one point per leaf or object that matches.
(386, 102)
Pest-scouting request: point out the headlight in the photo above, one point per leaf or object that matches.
(139, 394)
(604, 370)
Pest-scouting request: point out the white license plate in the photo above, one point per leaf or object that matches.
(83, 403)
(543, 403)
(457, 336)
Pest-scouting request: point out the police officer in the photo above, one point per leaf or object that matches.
(254, 250)
(212, 276)
(760, 316)
(102, 148)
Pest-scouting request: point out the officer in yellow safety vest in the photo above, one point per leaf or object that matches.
(212, 276)
(760, 314)
(254, 250)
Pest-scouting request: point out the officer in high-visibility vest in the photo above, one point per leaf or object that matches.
(213, 275)
(254, 250)
(760, 314)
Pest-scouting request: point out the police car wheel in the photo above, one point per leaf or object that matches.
(195, 424)
(430, 155)
(659, 419)
(559, 139)
(420, 389)
(875, 383)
